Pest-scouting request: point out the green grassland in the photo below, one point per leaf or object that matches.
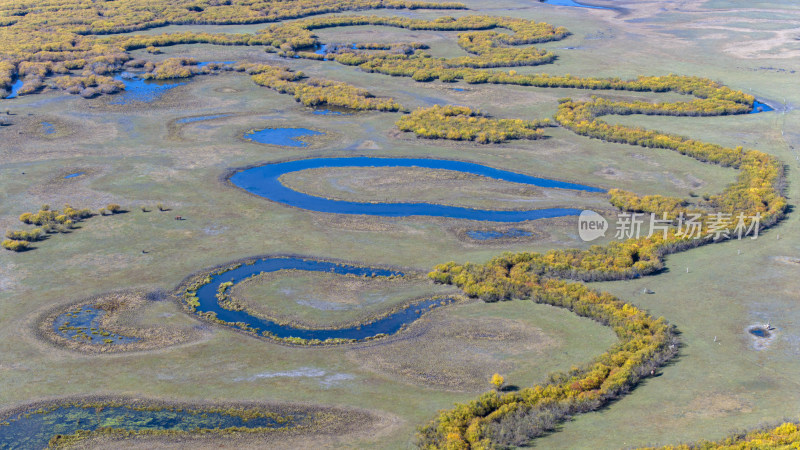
(138, 155)
(328, 300)
(432, 186)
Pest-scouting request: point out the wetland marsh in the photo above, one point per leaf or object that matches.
(294, 148)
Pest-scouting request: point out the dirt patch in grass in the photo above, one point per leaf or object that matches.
(452, 353)
(791, 260)
(717, 405)
(21, 131)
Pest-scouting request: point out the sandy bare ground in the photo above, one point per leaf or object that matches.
(729, 26)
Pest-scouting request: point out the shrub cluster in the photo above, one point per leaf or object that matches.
(758, 186)
(513, 418)
(314, 91)
(89, 86)
(463, 123)
(48, 221)
(786, 435)
(61, 37)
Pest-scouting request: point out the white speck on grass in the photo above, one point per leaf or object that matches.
(214, 230)
(334, 379)
(326, 380)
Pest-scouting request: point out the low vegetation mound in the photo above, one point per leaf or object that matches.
(461, 123)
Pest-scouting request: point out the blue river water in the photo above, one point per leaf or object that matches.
(322, 49)
(289, 137)
(14, 88)
(264, 181)
(760, 107)
(389, 324)
(33, 429)
(73, 175)
(139, 90)
(572, 3)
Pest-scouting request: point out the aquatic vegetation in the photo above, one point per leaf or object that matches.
(63, 423)
(98, 325)
(329, 112)
(485, 235)
(84, 324)
(33, 56)
(463, 123)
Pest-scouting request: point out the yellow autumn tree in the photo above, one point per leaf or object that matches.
(497, 381)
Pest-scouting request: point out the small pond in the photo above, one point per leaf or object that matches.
(324, 49)
(74, 175)
(761, 332)
(48, 128)
(760, 107)
(139, 90)
(83, 324)
(290, 137)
